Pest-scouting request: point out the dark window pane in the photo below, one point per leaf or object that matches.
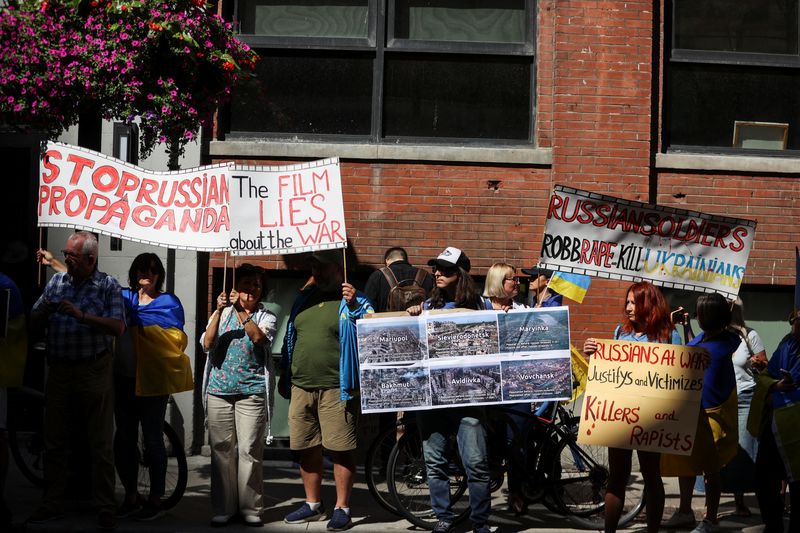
(766, 26)
(327, 93)
(473, 97)
(706, 100)
(304, 18)
(495, 21)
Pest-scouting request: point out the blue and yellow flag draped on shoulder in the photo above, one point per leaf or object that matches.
(159, 342)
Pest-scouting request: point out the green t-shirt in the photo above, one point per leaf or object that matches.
(315, 360)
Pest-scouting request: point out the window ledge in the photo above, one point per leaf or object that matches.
(733, 163)
(519, 155)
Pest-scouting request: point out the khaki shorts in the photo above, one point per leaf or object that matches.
(320, 417)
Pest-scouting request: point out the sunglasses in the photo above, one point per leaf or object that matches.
(445, 271)
(513, 280)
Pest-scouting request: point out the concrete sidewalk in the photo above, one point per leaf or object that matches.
(283, 491)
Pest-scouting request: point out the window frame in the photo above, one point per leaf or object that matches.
(379, 42)
(719, 57)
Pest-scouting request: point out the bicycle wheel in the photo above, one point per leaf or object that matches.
(408, 484)
(375, 466)
(27, 449)
(580, 476)
(177, 469)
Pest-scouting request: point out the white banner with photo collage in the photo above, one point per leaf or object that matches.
(452, 359)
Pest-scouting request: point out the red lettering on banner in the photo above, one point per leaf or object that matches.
(213, 194)
(722, 232)
(318, 177)
(319, 208)
(128, 182)
(80, 163)
(96, 202)
(738, 234)
(324, 233)
(119, 209)
(167, 219)
(262, 223)
(144, 215)
(76, 194)
(48, 165)
(148, 187)
(188, 222)
(44, 194)
(293, 210)
(105, 170)
(555, 204)
(57, 194)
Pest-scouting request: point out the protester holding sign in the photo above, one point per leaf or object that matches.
(646, 319)
(238, 384)
(455, 289)
(150, 364)
(775, 415)
(716, 440)
(502, 286)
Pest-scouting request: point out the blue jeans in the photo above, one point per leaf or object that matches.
(466, 423)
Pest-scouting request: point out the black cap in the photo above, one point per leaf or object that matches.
(535, 272)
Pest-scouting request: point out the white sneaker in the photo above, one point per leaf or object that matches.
(253, 520)
(679, 519)
(220, 520)
(706, 526)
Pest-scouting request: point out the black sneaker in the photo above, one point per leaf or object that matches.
(442, 527)
(304, 513)
(340, 521)
(43, 515)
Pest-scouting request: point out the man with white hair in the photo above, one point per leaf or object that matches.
(83, 311)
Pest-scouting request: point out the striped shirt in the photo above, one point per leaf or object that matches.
(67, 339)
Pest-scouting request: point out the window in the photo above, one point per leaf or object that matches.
(387, 70)
(732, 62)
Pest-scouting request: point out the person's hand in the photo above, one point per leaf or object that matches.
(233, 297)
(69, 308)
(44, 257)
(348, 293)
(222, 301)
(679, 316)
(759, 361)
(590, 346)
(786, 384)
(415, 310)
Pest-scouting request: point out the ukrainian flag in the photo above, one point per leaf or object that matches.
(573, 286)
(159, 342)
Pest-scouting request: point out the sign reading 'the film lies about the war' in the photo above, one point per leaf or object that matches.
(464, 358)
(643, 396)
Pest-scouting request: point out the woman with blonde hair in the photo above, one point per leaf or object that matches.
(502, 286)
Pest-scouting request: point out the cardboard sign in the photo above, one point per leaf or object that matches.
(643, 396)
(609, 237)
(287, 209)
(455, 359)
(187, 209)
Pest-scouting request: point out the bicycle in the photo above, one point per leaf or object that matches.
(26, 443)
(567, 478)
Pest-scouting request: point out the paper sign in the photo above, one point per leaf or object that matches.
(287, 209)
(187, 209)
(607, 237)
(643, 396)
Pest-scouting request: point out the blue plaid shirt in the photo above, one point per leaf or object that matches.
(68, 339)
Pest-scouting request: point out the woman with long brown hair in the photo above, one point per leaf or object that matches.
(646, 318)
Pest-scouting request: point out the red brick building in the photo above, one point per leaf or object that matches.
(454, 119)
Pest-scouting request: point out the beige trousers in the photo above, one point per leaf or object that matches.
(236, 434)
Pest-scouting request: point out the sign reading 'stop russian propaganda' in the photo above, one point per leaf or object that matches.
(609, 237)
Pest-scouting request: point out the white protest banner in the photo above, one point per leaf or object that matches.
(643, 396)
(81, 188)
(607, 237)
(287, 209)
(450, 359)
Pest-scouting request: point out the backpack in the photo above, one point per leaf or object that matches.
(403, 294)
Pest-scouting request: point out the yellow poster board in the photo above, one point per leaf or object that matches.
(643, 396)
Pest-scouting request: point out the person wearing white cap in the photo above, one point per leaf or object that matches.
(455, 288)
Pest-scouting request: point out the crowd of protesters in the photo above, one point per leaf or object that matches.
(109, 348)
